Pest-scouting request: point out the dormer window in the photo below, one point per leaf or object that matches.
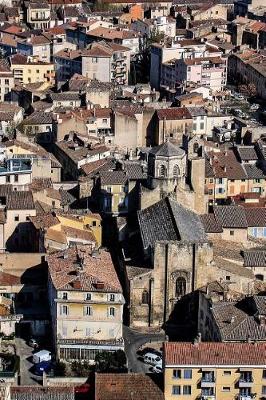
(112, 297)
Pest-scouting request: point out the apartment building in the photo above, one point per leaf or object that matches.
(106, 62)
(86, 303)
(67, 63)
(38, 47)
(38, 15)
(249, 67)
(214, 371)
(185, 48)
(206, 71)
(16, 172)
(6, 81)
(26, 70)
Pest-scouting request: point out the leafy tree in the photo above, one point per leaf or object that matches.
(110, 361)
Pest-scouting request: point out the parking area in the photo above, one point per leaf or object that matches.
(25, 353)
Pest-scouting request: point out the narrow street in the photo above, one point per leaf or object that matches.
(133, 341)
(25, 353)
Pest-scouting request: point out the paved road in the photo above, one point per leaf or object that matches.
(133, 340)
(25, 354)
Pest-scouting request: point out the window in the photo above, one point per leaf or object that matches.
(176, 171)
(94, 223)
(16, 218)
(263, 390)
(187, 390)
(202, 125)
(88, 296)
(176, 390)
(195, 147)
(112, 297)
(232, 233)
(162, 171)
(88, 332)
(256, 180)
(180, 286)
(145, 297)
(264, 374)
(104, 120)
(210, 191)
(220, 181)
(64, 296)
(87, 310)
(177, 373)
(187, 373)
(94, 60)
(64, 310)
(111, 311)
(109, 189)
(37, 71)
(111, 333)
(27, 217)
(64, 331)
(227, 373)
(211, 180)
(16, 178)
(226, 389)
(53, 203)
(6, 81)
(7, 179)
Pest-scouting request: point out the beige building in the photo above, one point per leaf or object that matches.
(6, 81)
(38, 15)
(214, 371)
(107, 62)
(86, 303)
(27, 71)
(16, 209)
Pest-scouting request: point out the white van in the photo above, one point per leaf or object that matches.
(151, 359)
(43, 355)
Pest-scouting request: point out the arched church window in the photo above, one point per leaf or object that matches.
(181, 287)
(162, 171)
(145, 297)
(176, 171)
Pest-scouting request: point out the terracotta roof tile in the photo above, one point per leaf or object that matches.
(126, 387)
(173, 113)
(79, 264)
(215, 354)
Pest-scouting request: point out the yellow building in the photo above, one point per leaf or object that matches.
(57, 230)
(26, 71)
(86, 303)
(214, 371)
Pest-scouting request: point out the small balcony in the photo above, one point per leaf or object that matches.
(243, 383)
(245, 380)
(205, 383)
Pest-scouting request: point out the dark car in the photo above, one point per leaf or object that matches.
(44, 366)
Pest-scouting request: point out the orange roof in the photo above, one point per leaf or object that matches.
(183, 353)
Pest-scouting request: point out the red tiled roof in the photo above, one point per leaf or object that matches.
(126, 387)
(79, 265)
(173, 113)
(8, 279)
(214, 354)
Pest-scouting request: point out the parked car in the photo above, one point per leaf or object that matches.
(44, 366)
(152, 359)
(146, 350)
(33, 343)
(158, 368)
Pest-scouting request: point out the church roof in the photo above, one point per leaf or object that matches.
(169, 220)
(167, 149)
